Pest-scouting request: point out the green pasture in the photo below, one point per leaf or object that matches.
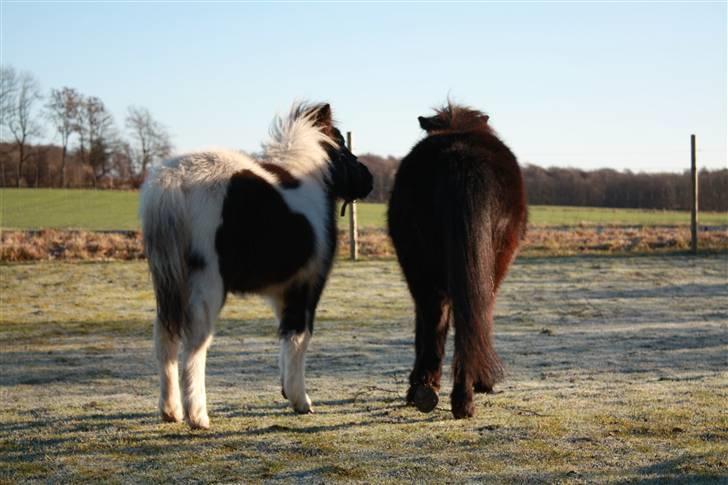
(117, 210)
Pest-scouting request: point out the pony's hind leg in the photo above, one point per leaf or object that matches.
(167, 347)
(461, 399)
(474, 373)
(205, 303)
(491, 370)
(295, 334)
(431, 326)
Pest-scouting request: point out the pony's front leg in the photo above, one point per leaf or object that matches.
(295, 334)
(293, 350)
(167, 347)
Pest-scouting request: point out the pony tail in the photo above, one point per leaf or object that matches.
(468, 244)
(166, 238)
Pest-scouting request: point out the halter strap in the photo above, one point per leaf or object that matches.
(343, 207)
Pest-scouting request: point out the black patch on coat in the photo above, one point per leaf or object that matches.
(195, 262)
(284, 177)
(260, 241)
(306, 296)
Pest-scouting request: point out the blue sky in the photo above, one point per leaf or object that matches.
(587, 85)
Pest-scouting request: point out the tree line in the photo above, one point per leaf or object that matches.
(92, 151)
(596, 188)
(545, 186)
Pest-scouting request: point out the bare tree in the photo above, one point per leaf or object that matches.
(19, 95)
(63, 111)
(8, 90)
(151, 139)
(121, 162)
(97, 135)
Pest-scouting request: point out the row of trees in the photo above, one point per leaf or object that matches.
(610, 188)
(92, 150)
(552, 186)
(598, 188)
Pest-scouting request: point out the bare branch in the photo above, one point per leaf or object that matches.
(62, 110)
(151, 139)
(19, 95)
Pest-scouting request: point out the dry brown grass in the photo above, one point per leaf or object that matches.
(373, 243)
(53, 244)
(567, 241)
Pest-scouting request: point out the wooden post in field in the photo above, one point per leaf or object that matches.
(694, 203)
(353, 230)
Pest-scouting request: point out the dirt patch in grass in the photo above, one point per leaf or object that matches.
(374, 243)
(616, 373)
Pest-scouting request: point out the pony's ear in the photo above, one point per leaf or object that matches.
(485, 118)
(431, 124)
(322, 116)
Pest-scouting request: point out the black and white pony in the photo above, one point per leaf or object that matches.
(457, 214)
(219, 222)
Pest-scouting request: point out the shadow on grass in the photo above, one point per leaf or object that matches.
(679, 470)
(689, 290)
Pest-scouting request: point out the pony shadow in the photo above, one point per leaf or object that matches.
(672, 470)
(691, 290)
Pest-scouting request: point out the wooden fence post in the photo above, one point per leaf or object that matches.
(694, 204)
(353, 229)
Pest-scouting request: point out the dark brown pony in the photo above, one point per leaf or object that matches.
(456, 217)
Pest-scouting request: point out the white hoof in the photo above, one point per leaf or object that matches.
(199, 422)
(302, 406)
(171, 413)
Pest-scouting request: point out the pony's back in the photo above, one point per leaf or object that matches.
(469, 175)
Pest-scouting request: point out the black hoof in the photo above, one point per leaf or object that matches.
(483, 388)
(410, 398)
(463, 410)
(425, 398)
(283, 393)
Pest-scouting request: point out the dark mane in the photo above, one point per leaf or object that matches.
(453, 117)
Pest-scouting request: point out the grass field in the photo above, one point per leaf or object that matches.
(117, 210)
(624, 380)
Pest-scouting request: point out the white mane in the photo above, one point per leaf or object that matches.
(298, 144)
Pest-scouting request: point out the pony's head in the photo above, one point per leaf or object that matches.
(452, 118)
(308, 144)
(350, 179)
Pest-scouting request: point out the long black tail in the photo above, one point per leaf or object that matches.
(470, 268)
